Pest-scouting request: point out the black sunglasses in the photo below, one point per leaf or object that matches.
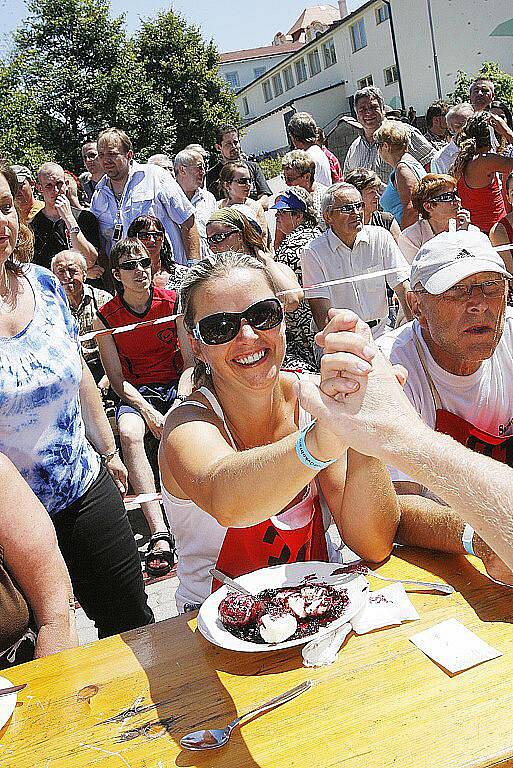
(224, 326)
(145, 235)
(145, 262)
(444, 197)
(218, 237)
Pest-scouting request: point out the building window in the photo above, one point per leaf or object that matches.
(233, 79)
(266, 87)
(390, 75)
(329, 53)
(300, 67)
(277, 85)
(245, 105)
(288, 78)
(358, 36)
(258, 72)
(314, 62)
(382, 14)
(365, 82)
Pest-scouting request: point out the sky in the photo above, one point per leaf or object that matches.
(233, 24)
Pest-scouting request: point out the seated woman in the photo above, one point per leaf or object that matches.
(392, 140)
(165, 272)
(35, 589)
(437, 201)
(369, 185)
(476, 169)
(297, 221)
(230, 230)
(241, 465)
(143, 368)
(234, 187)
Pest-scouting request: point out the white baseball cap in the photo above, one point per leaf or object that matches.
(450, 257)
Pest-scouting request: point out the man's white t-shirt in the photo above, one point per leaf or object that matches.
(484, 399)
(322, 165)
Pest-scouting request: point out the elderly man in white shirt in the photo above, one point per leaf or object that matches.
(456, 119)
(349, 248)
(190, 172)
(129, 190)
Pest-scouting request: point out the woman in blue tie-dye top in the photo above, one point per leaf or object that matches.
(48, 402)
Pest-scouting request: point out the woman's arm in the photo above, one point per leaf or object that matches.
(499, 236)
(35, 562)
(395, 231)
(406, 182)
(285, 280)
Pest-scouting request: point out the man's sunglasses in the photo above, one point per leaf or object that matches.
(492, 289)
(445, 197)
(144, 263)
(218, 237)
(144, 235)
(349, 208)
(224, 326)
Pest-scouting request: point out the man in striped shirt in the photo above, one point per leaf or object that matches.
(363, 152)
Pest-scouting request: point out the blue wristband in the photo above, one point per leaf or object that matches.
(468, 540)
(304, 455)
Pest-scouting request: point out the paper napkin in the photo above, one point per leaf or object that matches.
(453, 646)
(385, 607)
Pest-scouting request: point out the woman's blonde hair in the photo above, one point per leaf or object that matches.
(213, 268)
(475, 135)
(393, 132)
(430, 185)
(24, 248)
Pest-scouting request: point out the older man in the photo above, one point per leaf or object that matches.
(349, 248)
(26, 203)
(304, 134)
(459, 349)
(129, 190)
(482, 93)
(456, 119)
(70, 268)
(58, 226)
(363, 152)
(189, 167)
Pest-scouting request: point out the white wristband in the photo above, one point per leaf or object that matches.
(468, 539)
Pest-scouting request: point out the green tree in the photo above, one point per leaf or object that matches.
(19, 137)
(490, 69)
(184, 70)
(74, 61)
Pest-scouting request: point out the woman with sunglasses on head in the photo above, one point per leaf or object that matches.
(234, 187)
(437, 202)
(230, 230)
(165, 272)
(143, 367)
(241, 465)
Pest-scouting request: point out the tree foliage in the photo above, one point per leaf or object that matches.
(491, 71)
(73, 71)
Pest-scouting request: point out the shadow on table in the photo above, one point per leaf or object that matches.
(490, 601)
(183, 671)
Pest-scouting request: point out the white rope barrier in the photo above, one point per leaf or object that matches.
(132, 502)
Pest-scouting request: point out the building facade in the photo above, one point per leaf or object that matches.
(358, 50)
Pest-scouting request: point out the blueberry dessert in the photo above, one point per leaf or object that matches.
(276, 615)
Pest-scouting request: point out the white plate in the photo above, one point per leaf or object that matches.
(7, 702)
(290, 575)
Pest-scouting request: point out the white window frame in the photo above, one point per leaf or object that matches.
(300, 70)
(390, 75)
(329, 53)
(288, 78)
(276, 81)
(235, 76)
(314, 55)
(365, 82)
(245, 105)
(358, 41)
(258, 72)
(382, 14)
(267, 91)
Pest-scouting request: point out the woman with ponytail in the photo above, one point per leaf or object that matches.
(476, 168)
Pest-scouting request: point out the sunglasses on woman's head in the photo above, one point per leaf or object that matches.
(242, 181)
(224, 326)
(144, 263)
(144, 235)
(218, 237)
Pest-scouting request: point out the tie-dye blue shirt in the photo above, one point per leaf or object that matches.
(41, 426)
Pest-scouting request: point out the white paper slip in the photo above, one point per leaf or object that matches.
(453, 646)
(323, 651)
(385, 608)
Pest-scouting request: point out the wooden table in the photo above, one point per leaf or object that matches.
(383, 703)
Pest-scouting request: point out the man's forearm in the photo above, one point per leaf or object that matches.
(191, 242)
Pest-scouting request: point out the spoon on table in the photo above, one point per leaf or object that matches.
(224, 579)
(212, 738)
(12, 689)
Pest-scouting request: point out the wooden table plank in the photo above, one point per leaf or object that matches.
(383, 704)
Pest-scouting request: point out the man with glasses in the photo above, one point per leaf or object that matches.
(349, 248)
(130, 189)
(369, 105)
(228, 146)
(458, 351)
(58, 226)
(190, 172)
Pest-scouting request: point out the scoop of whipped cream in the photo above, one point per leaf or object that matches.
(277, 629)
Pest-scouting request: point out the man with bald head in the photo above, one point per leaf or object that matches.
(58, 226)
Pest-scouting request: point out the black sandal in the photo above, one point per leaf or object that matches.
(167, 558)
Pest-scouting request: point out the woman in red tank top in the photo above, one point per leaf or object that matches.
(502, 232)
(476, 168)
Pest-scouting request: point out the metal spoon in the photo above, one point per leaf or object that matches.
(224, 579)
(212, 738)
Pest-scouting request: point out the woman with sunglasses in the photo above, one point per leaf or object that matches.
(143, 367)
(165, 272)
(241, 464)
(437, 202)
(230, 230)
(234, 187)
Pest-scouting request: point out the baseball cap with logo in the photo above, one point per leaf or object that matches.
(288, 201)
(22, 173)
(450, 257)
